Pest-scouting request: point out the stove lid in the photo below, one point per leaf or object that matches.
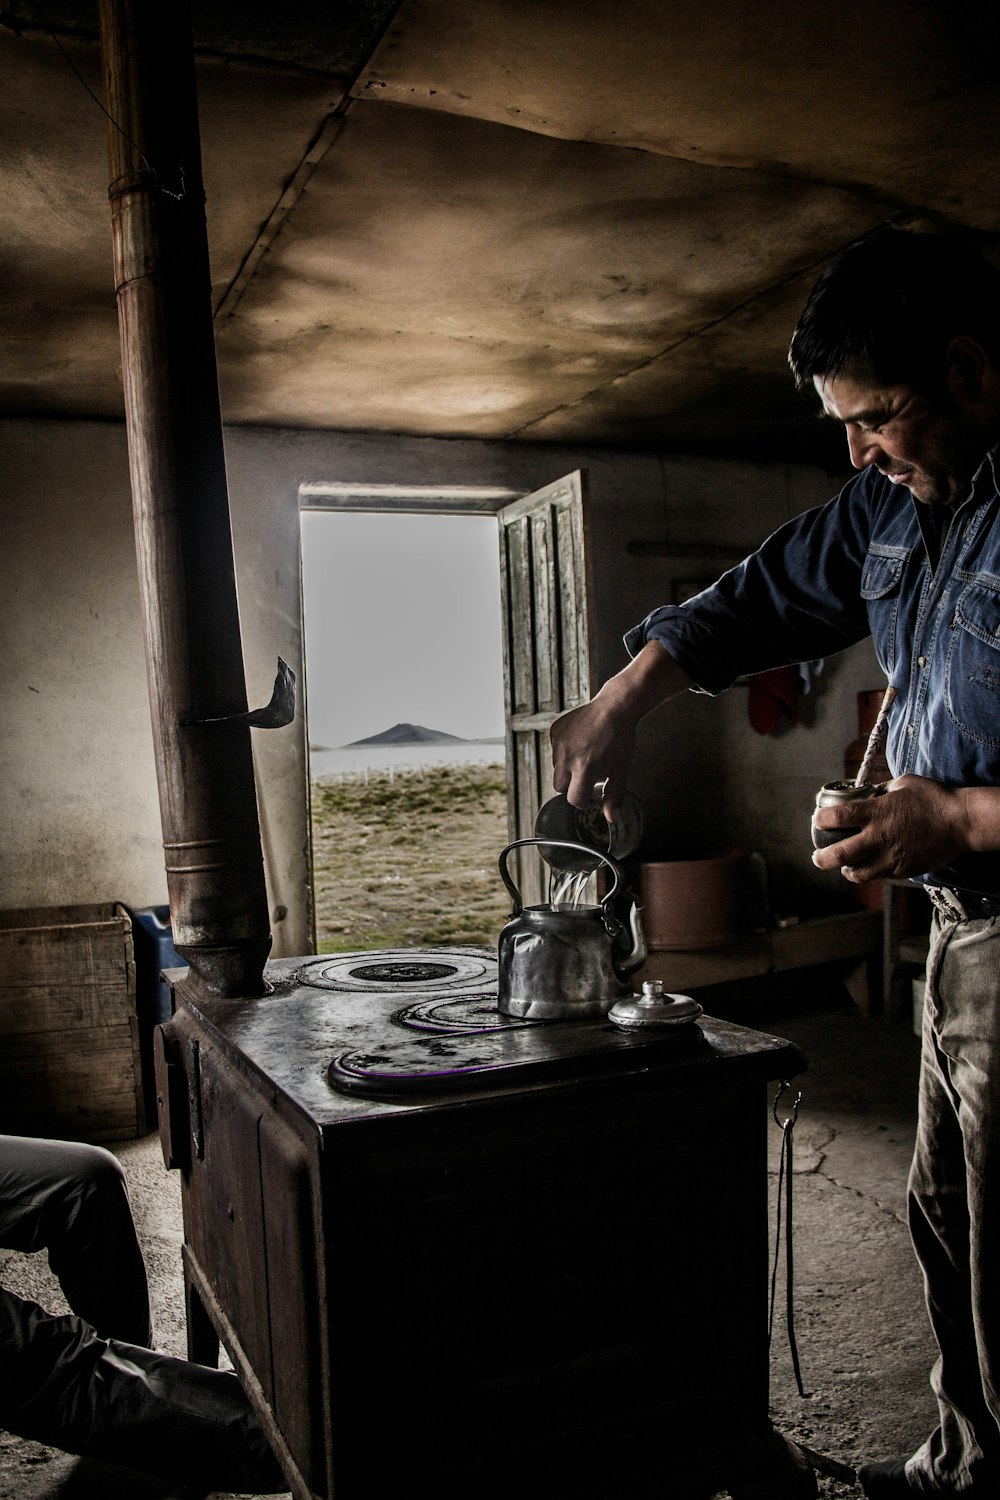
(513, 1055)
(476, 1012)
(416, 971)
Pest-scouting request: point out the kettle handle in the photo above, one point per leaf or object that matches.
(554, 844)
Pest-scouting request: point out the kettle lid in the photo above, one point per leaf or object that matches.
(653, 1008)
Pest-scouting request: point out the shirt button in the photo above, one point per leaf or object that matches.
(922, 661)
(911, 729)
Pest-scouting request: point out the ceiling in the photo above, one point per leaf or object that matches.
(535, 220)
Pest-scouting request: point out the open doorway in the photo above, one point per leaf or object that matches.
(460, 612)
(405, 703)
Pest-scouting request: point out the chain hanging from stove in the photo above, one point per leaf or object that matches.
(785, 1176)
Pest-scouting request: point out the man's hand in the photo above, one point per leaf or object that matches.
(916, 826)
(590, 746)
(595, 743)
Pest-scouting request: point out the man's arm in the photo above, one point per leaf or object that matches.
(918, 825)
(596, 742)
(795, 598)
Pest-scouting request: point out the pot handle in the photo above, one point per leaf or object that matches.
(554, 844)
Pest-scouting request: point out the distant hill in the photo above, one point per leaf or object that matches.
(410, 734)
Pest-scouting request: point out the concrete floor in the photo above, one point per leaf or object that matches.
(863, 1341)
(862, 1333)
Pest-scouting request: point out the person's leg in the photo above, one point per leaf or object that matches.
(60, 1384)
(955, 1208)
(72, 1200)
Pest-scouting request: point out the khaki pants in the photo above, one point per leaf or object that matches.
(954, 1205)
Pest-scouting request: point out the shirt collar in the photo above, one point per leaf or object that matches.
(992, 458)
(986, 479)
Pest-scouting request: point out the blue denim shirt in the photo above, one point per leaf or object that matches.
(864, 564)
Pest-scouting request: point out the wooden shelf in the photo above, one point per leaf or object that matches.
(821, 940)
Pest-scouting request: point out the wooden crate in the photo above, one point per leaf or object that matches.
(69, 1036)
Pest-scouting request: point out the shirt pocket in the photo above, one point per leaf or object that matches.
(972, 667)
(880, 586)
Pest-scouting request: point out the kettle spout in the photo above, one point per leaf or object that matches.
(639, 952)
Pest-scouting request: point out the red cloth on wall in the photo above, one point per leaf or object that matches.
(773, 694)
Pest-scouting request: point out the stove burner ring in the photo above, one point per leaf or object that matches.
(467, 1014)
(396, 973)
(389, 971)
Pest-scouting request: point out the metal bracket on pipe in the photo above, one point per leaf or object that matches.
(274, 715)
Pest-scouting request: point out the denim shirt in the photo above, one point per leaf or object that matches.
(865, 564)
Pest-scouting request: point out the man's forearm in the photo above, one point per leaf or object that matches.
(981, 822)
(652, 677)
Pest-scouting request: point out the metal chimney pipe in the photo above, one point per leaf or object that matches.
(194, 656)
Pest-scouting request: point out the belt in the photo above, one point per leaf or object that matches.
(962, 906)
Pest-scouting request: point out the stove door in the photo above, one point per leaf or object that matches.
(250, 1227)
(560, 1293)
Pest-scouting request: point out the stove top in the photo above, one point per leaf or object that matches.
(352, 1034)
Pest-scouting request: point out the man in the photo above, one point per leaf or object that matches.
(88, 1383)
(901, 340)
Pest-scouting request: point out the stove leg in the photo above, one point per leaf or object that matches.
(202, 1339)
(778, 1471)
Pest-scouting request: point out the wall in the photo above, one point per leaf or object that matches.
(78, 803)
(78, 806)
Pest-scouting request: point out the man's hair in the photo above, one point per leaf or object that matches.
(892, 302)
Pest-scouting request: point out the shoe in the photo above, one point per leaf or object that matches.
(885, 1480)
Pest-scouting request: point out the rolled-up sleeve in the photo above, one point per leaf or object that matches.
(797, 598)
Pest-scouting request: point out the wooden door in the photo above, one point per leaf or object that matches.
(545, 575)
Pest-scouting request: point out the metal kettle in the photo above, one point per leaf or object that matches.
(557, 962)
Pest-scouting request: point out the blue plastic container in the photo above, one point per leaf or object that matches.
(153, 949)
(153, 944)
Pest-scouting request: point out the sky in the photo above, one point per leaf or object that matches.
(402, 624)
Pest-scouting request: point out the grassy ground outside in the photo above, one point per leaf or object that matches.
(409, 861)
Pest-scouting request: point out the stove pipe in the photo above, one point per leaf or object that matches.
(194, 657)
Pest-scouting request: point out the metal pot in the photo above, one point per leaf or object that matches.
(586, 830)
(556, 962)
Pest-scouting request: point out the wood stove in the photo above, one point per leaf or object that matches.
(481, 1256)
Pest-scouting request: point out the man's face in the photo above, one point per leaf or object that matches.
(933, 451)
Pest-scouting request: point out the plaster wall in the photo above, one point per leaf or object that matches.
(78, 804)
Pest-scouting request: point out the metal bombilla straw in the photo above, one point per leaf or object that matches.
(874, 739)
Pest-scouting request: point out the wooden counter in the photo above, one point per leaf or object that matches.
(845, 937)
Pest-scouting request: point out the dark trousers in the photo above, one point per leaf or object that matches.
(71, 1200)
(86, 1382)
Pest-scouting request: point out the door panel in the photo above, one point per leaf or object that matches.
(544, 569)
